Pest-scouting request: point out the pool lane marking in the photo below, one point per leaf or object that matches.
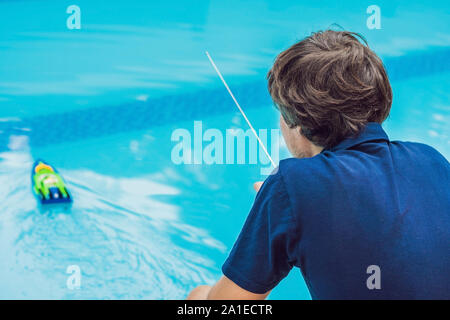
(240, 109)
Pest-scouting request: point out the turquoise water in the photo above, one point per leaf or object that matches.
(102, 102)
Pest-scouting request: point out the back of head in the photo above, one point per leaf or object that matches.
(331, 85)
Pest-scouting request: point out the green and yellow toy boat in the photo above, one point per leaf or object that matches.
(48, 185)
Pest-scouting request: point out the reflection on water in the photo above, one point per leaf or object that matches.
(123, 240)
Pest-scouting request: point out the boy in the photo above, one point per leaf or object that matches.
(363, 217)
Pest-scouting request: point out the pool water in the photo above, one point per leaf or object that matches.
(101, 104)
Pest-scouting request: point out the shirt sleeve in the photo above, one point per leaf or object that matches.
(264, 252)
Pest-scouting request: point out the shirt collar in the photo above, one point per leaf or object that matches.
(371, 132)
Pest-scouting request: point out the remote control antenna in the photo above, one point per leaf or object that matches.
(240, 109)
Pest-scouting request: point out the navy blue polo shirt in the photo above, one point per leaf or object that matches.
(364, 204)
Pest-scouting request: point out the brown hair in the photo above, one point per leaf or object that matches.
(331, 85)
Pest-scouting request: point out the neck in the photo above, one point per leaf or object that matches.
(310, 152)
(315, 150)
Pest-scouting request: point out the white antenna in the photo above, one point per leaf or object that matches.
(240, 109)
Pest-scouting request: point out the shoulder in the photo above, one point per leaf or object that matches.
(309, 169)
(307, 179)
(416, 149)
(273, 188)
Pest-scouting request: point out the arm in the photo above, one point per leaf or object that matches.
(224, 289)
(260, 257)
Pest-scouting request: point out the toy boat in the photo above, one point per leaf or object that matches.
(48, 185)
